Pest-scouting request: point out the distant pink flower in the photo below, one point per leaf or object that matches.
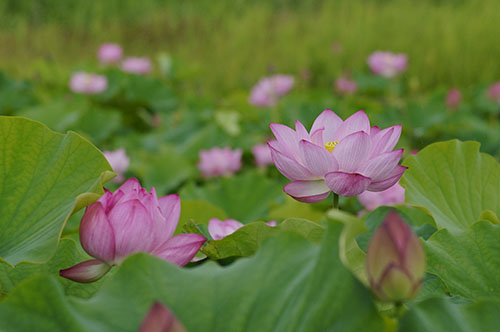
(453, 98)
(262, 155)
(494, 92)
(345, 86)
(389, 197)
(86, 83)
(269, 90)
(109, 53)
(219, 162)
(219, 229)
(128, 221)
(119, 162)
(346, 157)
(136, 65)
(387, 64)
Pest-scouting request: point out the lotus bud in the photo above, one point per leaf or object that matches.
(395, 261)
(161, 319)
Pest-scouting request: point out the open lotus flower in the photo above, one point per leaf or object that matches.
(119, 161)
(137, 65)
(453, 98)
(219, 229)
(395, 260)
(128, 221)
(86, 83)
(109, 52)
(494, 92)
(346, 157)
(161, 319)
(392, 196)
(269, 90)
(219, 162)
(387, 64)
(345, 86)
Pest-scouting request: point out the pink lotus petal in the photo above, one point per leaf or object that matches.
(219, 229)
(96, 233)
(131, 236)
(307, 191)
(180, 249)
(272, 223)
(357, 122)
(391, 179)
(160, 319)
(301, 131)
(88, 271)
(352, 151)
(330, 122)
(347, 184)
(317, 159)
(380, 167)
(109, 53)
(289, 167)
(262, 155)
(170, 206)
(286, 137)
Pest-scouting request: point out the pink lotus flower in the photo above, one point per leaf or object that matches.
(262, 155)
(219, 162)
(109, 53)
(453, 98)
(219, 229)
(269, 90)
(128, 221)
(494, 92)
(136, 65)
(389, 197)
(387, 64)
(345, 86)
(160, 319)
(395, 261)
(346, 157)
(119, 162)
(89, 84)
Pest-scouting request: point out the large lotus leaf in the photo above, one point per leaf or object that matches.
(68, 254)
(246, 240)
(442, 315)
(468, 262)
(454, 182)
(44, 177)
(245, 197)
(290, 285)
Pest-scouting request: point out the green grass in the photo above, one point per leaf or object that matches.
(225, 45)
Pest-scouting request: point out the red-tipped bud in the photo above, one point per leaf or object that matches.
(395, 261)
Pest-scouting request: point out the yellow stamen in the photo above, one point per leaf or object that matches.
(331, 145)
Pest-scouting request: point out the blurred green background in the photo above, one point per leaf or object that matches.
(225, 45)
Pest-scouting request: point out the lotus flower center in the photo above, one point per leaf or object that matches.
(331, 145)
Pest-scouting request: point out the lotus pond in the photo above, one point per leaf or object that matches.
(136, 195)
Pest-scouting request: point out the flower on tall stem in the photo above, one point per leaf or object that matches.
(268, 91)
(129, 221)
(219, 162)
(493, 92)
(88, 83)
(137, 65)
(387, 64)
(345, 157)
(109, 53)
(453, 98)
